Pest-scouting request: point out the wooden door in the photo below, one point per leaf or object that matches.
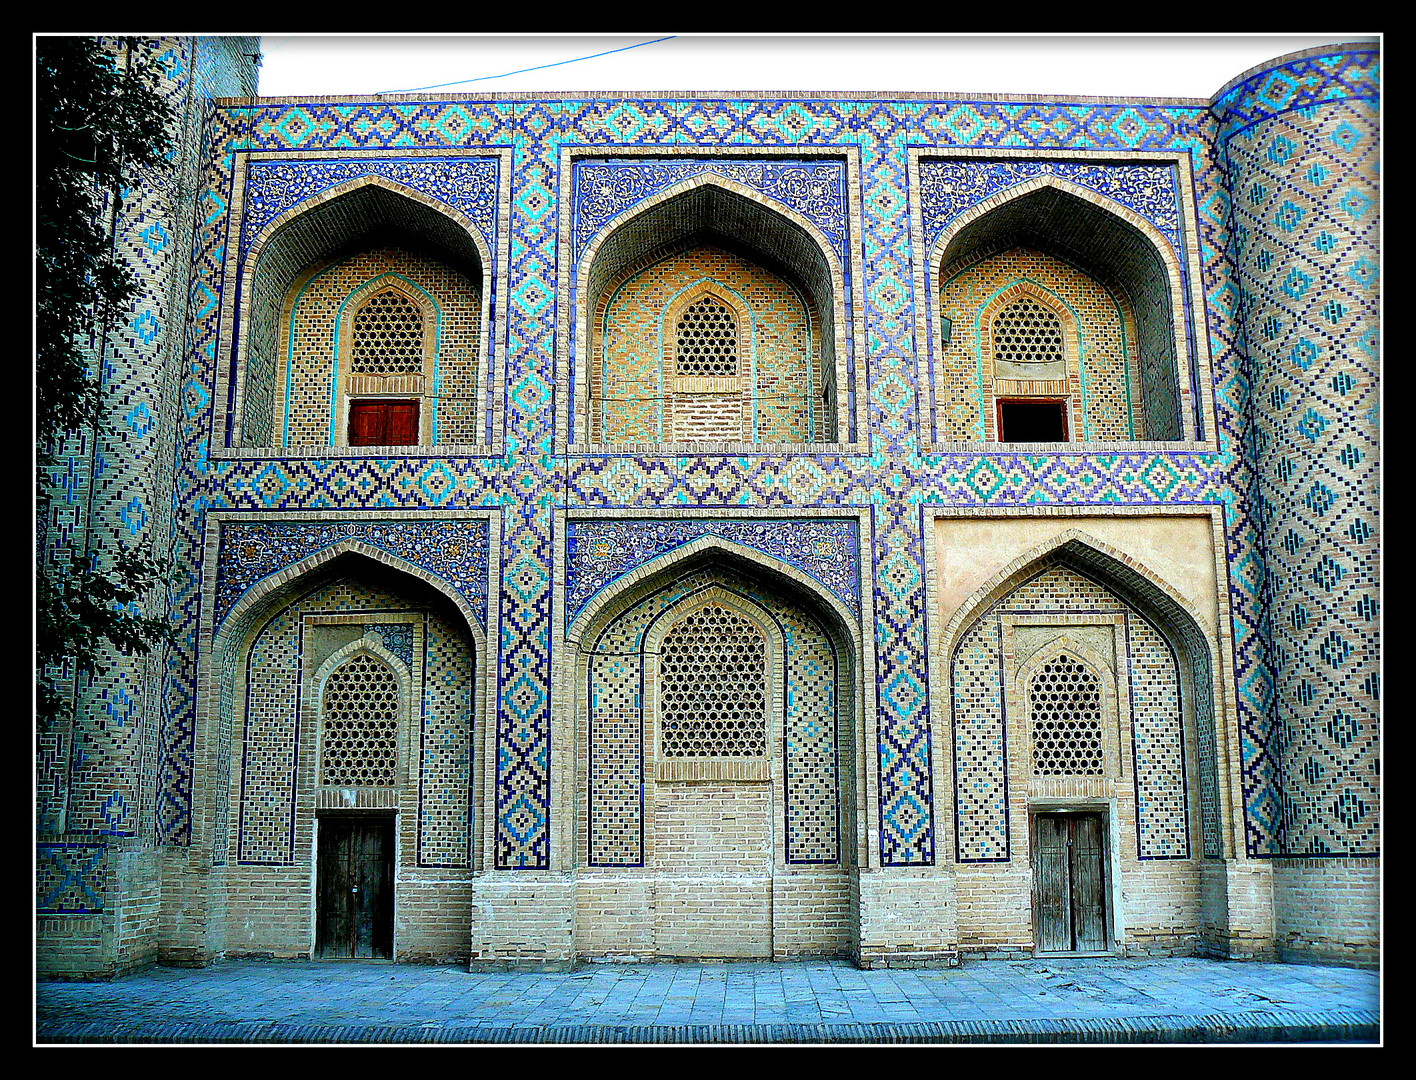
(354, 910)
(383, 423)
(1069, 883)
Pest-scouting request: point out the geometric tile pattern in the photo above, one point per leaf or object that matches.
(1329, 440)
(1065, 693)
(70, 878)
(1157, 745)
(1300, 143)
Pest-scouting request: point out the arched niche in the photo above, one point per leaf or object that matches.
(769, 833)
(360, 231)
(1126, 288)
(1127, 739)
(264, 727)
(712, 214)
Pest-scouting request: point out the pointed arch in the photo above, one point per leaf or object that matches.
(710, 209)
(763, 821)
(317, 233)
(1093, 558)
(628, 587)
(354, 650)
(282, 586)
(1177, 629)
(1107, 241)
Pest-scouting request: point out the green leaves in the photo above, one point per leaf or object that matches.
(101, 124)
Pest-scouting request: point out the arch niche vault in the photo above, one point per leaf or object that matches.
(717, 766)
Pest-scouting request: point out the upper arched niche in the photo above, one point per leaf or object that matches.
(1098, 267)
(301, 282)
(774, 278)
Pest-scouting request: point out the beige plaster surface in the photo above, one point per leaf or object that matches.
(1179, 549)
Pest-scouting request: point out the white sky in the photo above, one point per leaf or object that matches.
(1187, 66)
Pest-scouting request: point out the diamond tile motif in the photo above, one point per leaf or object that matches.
(1278, 217)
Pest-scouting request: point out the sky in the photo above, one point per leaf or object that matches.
(1169, 65)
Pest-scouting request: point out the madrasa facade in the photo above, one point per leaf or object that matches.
(614, 526)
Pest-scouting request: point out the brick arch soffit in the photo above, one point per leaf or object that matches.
(1186, 351)
(254, 255)
(1158, 241)
(283, 587)
(261, 242)
(586, 306)
(611, 601)
(769, 205)
(1131, 580)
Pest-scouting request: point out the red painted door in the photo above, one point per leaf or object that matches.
(383, 423)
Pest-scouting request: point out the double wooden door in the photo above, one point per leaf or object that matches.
(354, 908)
(1069, 883)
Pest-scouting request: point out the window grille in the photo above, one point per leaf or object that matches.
(388, 337)
(707, 339)
(1065, 700)
(1025, 332)
(360, 738)
(713, 686)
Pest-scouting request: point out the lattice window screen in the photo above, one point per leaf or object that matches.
(1065, 702)
(713, 686)
(387, 337)
(1025, 332)
(707, 339)
(360, 737)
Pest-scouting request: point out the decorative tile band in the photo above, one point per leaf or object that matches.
(598, 552)
(454, 551)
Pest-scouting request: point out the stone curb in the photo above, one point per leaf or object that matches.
(1360, 1026)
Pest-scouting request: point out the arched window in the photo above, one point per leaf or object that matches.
(1030, 373)
(713, 687)
(388, 354)
(387, 337)
(359, 725)
(707, 339)
(1064, 701)
(1028, 335)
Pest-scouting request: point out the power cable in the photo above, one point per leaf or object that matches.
(523, 71)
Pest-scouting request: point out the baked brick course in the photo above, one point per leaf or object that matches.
(688, 361)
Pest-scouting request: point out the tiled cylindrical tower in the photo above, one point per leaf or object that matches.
(1299, 141)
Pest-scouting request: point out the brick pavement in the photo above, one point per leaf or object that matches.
(1096, 1000)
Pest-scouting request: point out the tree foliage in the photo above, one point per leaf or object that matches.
(101, 123)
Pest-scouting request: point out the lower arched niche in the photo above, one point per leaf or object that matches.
(715, 769)
(351, 705)
(1077, 718)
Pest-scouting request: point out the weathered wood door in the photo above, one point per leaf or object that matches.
(1069, 883)
(354, 908)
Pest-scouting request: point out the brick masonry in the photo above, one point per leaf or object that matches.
(1204, 545)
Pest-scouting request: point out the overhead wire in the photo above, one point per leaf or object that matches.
(523, 71)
